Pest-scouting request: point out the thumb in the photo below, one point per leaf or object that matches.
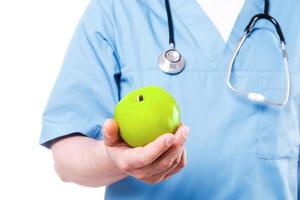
(111, 133)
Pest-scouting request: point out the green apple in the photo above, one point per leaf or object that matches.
(145, 114)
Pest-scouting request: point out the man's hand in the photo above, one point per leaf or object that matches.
(152, 163)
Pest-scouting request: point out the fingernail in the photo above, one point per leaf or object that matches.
(104, 128)
(106, 122)
(185, 133)
(169, 141)
(187, 129)
(106, 133)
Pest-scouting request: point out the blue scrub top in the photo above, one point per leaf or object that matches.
(236, 149)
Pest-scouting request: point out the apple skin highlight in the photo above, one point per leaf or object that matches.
(146, 113)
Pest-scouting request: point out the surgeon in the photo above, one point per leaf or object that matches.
(234, 69)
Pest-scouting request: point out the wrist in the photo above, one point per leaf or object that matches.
(102, 156)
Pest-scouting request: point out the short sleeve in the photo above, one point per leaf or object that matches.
(86, 89)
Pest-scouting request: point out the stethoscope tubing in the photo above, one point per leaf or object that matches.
(258, 97)
(168, 66)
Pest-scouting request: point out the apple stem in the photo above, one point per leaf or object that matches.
(140, 97)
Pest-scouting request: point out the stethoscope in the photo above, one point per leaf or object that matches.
(172, 62)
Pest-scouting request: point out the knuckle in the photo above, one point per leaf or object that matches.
(143, 161)
(125, 166)
(165, 164)
(141, 175)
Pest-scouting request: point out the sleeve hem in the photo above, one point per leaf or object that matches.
(53, 130)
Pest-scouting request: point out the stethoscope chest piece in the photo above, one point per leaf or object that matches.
(171, 61)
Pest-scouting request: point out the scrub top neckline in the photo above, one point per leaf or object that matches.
(214, 47)
(215, 27)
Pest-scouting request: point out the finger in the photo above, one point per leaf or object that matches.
(111, 133)
(181, 134)
(164, 161)
(178, 167)
(161, 175)
(169, 155)
(144, 156)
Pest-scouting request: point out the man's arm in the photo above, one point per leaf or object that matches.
(84, 161)
(95, 163)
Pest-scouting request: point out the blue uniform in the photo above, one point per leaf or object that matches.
(236, 149)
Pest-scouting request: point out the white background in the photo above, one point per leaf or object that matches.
(34, 35)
